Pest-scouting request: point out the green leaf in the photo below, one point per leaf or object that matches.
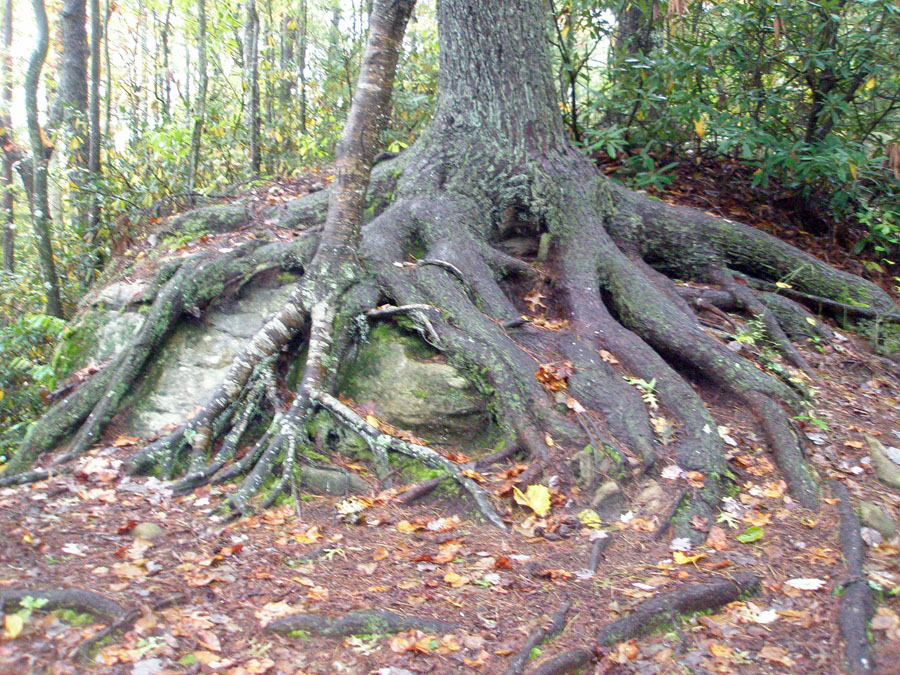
(751, 534)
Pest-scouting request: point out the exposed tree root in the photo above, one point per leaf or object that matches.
(553, 627)
(650, 614)
(571, 661)
(365, 621)
(597, 550)
(123, 624)
(856, 606)
(434, 252)
(76, 599)
(666, 607)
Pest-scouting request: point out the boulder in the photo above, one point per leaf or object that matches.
(414, 388)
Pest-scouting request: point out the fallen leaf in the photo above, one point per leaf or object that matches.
(805, 584)
(717, 538)
(455, 580)
(536, 497)
(751, 534)
(590, 518)
(13, 623)
(317, 594)
(273, 610)
(380, 554)
(777, 654)
(720, 651)
(682, 559)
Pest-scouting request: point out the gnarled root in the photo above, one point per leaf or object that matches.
(856, 601)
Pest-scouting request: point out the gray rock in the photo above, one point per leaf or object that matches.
(414, 389)
(887, 462)
(608, 501)
(219, 218)
(652, 497)
(147, 667)
(146, 530)
(120, 295)
(196, 358)
(872, 515)
(331, 482)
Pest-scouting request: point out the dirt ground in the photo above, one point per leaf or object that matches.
(199, 594)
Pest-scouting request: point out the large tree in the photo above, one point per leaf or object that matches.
(494, 163)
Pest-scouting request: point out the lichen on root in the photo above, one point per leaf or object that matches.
(494, 163)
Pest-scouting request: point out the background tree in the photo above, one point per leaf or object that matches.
(6, 122)
(40, 215)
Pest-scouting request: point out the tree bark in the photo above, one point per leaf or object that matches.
(95, 137)
(199, 111)
(251, 82)
(40, 215)
(9, 227)
(73, 103)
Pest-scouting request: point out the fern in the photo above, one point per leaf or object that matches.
(647, 389)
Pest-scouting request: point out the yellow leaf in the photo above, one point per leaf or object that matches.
(14, 625)
(455, 580)
(781, 284)
(700, 127)
(373, 421)
(870, 83)
(853, 171)
(682, 559)
(589, 518)
(536, 497)
(720, 651)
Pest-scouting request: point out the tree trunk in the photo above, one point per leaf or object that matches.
(251, 82)
(40, 214)
(302, 37)
(199, 112)
(495, 163)
(9, 227)
(95, 138)
(73, 102)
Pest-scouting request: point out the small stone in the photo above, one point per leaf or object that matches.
(887, 462)
(872, 515)
(146, 530)
(608, 500)
(735, 346)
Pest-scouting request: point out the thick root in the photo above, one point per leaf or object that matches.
(856, 606)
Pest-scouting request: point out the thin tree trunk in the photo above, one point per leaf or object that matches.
(200, 108)
(40, 215)
(251, 79)
(107, 12)
(73, 102)
(167, 79)
(95, 138)
(301, 62)
(9, 232)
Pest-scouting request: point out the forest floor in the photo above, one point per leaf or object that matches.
(202, 593)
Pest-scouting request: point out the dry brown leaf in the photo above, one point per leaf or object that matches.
(777, 654)
(717, 538)
(317, 594)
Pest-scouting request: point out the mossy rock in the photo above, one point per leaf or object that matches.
(221, 218)
(414, 388)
